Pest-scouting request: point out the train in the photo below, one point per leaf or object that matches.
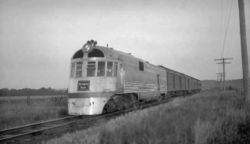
(104, 80)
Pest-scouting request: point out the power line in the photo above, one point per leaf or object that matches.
(226, 31)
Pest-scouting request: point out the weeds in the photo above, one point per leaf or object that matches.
(20, 112)
(211, 117)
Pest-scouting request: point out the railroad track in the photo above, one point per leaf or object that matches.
(18, 134)
(20, 131)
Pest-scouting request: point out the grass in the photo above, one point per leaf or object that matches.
(20, 111)
(211, 117)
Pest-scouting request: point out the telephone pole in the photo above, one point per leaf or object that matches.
(244, 54)
(223, 62)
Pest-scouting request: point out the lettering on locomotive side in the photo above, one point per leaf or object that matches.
(83, 85)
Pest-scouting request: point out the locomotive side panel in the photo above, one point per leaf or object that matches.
(146, 80)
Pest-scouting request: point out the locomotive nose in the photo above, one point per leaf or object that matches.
(86, 103)
(80, 106)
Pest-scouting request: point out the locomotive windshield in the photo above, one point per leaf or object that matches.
(79, 69)
(91, 68)
(98, 68)
(96, 53)
(101, 68)
(93, 53)
(109, 68)
(78, 54)
(92, 64)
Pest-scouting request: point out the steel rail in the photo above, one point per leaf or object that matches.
(34, 124)
(15, 132)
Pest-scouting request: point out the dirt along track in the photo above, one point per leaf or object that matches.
(43, 131)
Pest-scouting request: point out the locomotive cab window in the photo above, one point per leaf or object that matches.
(101, 68)
(91, 68)
(72, 72)
(96, 53)
(78, 54)
(79, 69)
(141, 66)
(115, 68)
(109, 68)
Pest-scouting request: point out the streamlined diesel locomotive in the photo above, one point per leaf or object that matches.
(103, 79)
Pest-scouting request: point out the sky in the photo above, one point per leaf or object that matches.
(39, 37)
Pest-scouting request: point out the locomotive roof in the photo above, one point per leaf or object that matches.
(111, 53)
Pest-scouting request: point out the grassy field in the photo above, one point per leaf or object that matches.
(211, 117)
(20, 111)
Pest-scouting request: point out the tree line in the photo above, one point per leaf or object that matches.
(32, 92)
